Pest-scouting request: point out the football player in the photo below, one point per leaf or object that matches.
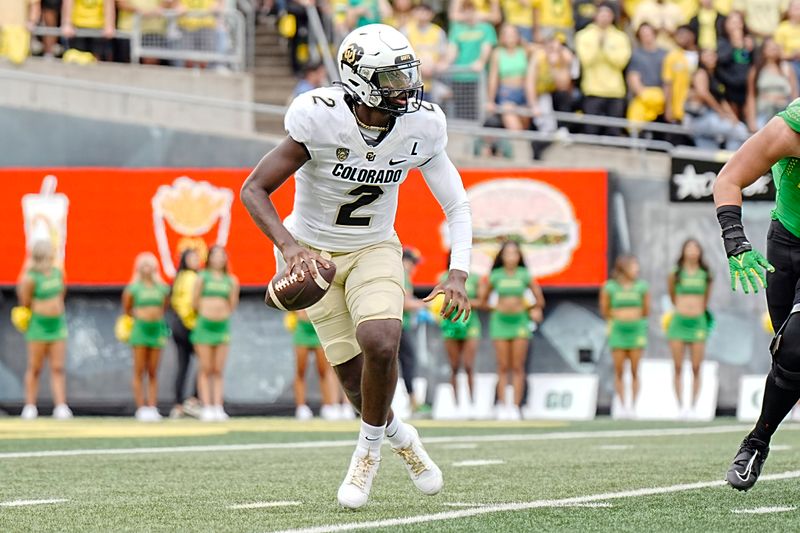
(776, 146)
(350, 147)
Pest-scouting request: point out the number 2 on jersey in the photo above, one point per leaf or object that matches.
(366, 195)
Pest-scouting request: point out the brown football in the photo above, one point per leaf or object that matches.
(291, 293)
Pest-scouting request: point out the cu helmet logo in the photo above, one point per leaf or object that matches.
(352, 55)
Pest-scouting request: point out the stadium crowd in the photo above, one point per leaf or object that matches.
(722, 68)
(99, 30)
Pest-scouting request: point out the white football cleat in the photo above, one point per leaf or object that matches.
(424, 473)
(62, 412)
(303, 412)
(29, 412)
(354, 490)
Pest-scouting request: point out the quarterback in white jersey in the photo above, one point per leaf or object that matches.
(350, 147)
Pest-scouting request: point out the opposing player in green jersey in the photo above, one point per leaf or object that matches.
(776, 146)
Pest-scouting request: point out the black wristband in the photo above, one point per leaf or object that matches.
(730, 220)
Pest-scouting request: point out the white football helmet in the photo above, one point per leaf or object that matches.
(378, 68)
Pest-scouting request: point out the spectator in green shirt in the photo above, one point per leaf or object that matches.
(363, 12)
(471, 44)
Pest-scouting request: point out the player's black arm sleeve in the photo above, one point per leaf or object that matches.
(270, 173)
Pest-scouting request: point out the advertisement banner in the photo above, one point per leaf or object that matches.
(559, 217)
(693, 175)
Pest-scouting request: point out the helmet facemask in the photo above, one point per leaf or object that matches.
(399, 88)
(395, 89)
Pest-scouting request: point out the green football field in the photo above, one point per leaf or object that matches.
(261, 475)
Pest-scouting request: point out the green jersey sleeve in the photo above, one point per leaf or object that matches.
(791, 115)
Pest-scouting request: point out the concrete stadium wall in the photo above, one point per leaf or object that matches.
(52, 139)
(97, 103)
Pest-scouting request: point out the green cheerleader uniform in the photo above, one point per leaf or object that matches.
(213, 332)
(689, 328)
(509, 326)
(44, 328)
(408, 286)
(463, 329)
(305, 335)
(627, 334)
(149, 333)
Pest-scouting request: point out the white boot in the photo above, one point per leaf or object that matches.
(29, 412)
(354, 490)
(208, 414)
(303, 412)
(424, 473)
(62, 412)
(220, 413)
(142, 414)
(330, 412)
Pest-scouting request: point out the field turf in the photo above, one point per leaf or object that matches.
(261, 475)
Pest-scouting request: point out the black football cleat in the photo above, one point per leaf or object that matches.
(747, 464)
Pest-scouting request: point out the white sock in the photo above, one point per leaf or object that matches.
(371, 437)
(397, 433)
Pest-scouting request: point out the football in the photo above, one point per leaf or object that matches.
(292, 293)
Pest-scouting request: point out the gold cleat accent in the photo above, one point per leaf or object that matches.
(412, 459)
(363, 467)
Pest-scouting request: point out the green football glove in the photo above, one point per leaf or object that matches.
(748, 268)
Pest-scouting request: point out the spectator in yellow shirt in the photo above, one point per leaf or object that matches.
(488, 11)
(401, 14)
(430, 43)
(688, 9)
(549, 85)
(788, 36)
(663, 16)
(198, 23)
(17, 19)
(153, 25)
(604, 52)
(679, 65)
(707, 25)
(89, 15)
(552, 17)
(519, 13)
(761, 16)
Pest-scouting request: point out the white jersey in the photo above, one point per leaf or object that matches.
(346, 194)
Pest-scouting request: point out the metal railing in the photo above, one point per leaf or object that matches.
(218, 39)
(210, 38)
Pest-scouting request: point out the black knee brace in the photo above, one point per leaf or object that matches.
(785, 349)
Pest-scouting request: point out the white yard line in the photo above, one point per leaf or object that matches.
(263, 505)
(479, 462)
(764, 510)
(780, 448)
(22, 503)
(588, 505)
(523, 437)
(506, 507)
